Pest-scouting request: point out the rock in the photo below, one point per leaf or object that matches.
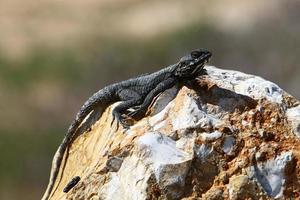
(229, 136)
(293, 116)
(270, 174)
(169, 164)
(242, 187)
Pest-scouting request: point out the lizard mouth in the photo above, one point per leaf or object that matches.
(201, 62)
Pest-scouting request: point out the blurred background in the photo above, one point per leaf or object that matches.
(54, 54)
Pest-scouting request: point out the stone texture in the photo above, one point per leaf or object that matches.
(230, 136)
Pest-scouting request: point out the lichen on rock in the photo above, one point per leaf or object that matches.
(229, 136)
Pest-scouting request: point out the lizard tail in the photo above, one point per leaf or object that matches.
(100, 99)
(58, 157)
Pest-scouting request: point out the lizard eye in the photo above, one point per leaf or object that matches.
(195, 54)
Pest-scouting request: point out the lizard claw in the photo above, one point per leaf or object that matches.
(113, 120)
(115, 117)
(120, 120)
(124, 122)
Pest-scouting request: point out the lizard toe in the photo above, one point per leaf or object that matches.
(125, 123)
(133, 113)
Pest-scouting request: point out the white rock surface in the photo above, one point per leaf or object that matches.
(271, 174)
(191, 116)
(169, 163)
(245, 84)
(228, 144)
(132, 175)
(293, 115)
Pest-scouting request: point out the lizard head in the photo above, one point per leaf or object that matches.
(191, 64)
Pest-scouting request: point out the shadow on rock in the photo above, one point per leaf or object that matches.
(229, 101)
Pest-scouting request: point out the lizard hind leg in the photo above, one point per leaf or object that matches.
(142, 108)
(129, 99)
(119, 109)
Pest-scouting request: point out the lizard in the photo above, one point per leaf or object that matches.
(135, 93)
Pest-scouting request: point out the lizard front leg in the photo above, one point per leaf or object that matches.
(142, 109)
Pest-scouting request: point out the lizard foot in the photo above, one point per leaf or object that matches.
(125, 122)
(121, 120)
